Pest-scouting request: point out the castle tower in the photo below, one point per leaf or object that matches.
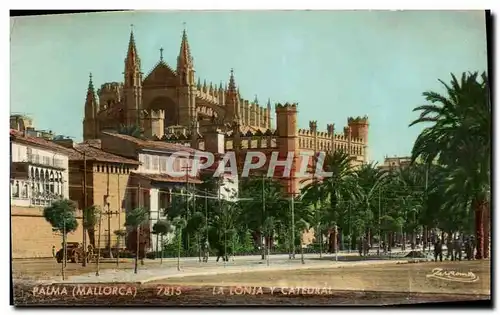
(90, 117)
(286, 125)
(359, 129)
(313, 127)
(132, 87)
(232, 101)
(330, 128)
(187, 85)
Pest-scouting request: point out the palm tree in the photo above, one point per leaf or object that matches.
(341, 188)
(179, 223)
(370, 180)
(266, 200)
(135, 219)
(459, 139)
(132, 130)
(162, 228)
(315, 194)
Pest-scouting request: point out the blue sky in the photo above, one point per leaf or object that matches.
(335, 64)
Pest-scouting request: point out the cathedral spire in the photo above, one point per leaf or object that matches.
(90, 101)
(184, 53)
(90, 90)
(232, 84)
(132, 58)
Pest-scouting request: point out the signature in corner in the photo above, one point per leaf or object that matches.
(451, 275)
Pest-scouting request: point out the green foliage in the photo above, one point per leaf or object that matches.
(91, 217)
(136, 217)
(133, 131)
(61, 214)
(162, 227)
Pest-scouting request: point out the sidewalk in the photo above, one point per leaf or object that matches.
(155, 274)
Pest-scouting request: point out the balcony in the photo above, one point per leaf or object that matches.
(44, 161)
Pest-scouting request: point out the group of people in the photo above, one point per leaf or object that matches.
(222, 252)
(454, 248)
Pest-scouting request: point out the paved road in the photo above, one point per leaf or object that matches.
(153, 271)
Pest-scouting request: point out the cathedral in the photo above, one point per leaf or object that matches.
(168, 98)
(174, 105)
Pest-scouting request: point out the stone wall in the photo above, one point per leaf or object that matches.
(32, 236)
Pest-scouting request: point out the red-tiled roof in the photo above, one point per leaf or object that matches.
(169, 179)
(153, 145)
(19, 136)
(95, 154)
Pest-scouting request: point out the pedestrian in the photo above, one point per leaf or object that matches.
(221, 253)
(206, 251)
(438, 250)
(449, 248)
(53, 251)
(457, 247)
(468, 248)
(472, 246)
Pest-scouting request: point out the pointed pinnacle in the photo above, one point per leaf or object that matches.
(232, 84)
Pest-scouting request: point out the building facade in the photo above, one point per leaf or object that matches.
(150, 185)
(395, 162)
(172, 105)
(39, 175)
(99, 178)
(25, 124)
(39, 170)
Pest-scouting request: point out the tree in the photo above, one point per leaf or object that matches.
(195, 226)
(459, 139)
(302, 226)
(162, 228)
(265, 199)
(134, 219)
(315, 194)
(341, 188)
(180, 224)
(133, 131)
(61, 214)
(370, 181)
(268, 228)
(90, 219)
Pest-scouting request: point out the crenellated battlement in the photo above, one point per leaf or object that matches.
(157, 114)
(313, 125)
(286, 107)
(358, 120)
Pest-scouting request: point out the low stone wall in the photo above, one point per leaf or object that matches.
(32, 235)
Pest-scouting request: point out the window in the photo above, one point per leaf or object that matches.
(163, 164)
(147, 162)
(156, 162)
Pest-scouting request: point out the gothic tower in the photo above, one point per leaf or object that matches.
(187, 85)
(232, 99)
(90, 130)
(132, 87)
